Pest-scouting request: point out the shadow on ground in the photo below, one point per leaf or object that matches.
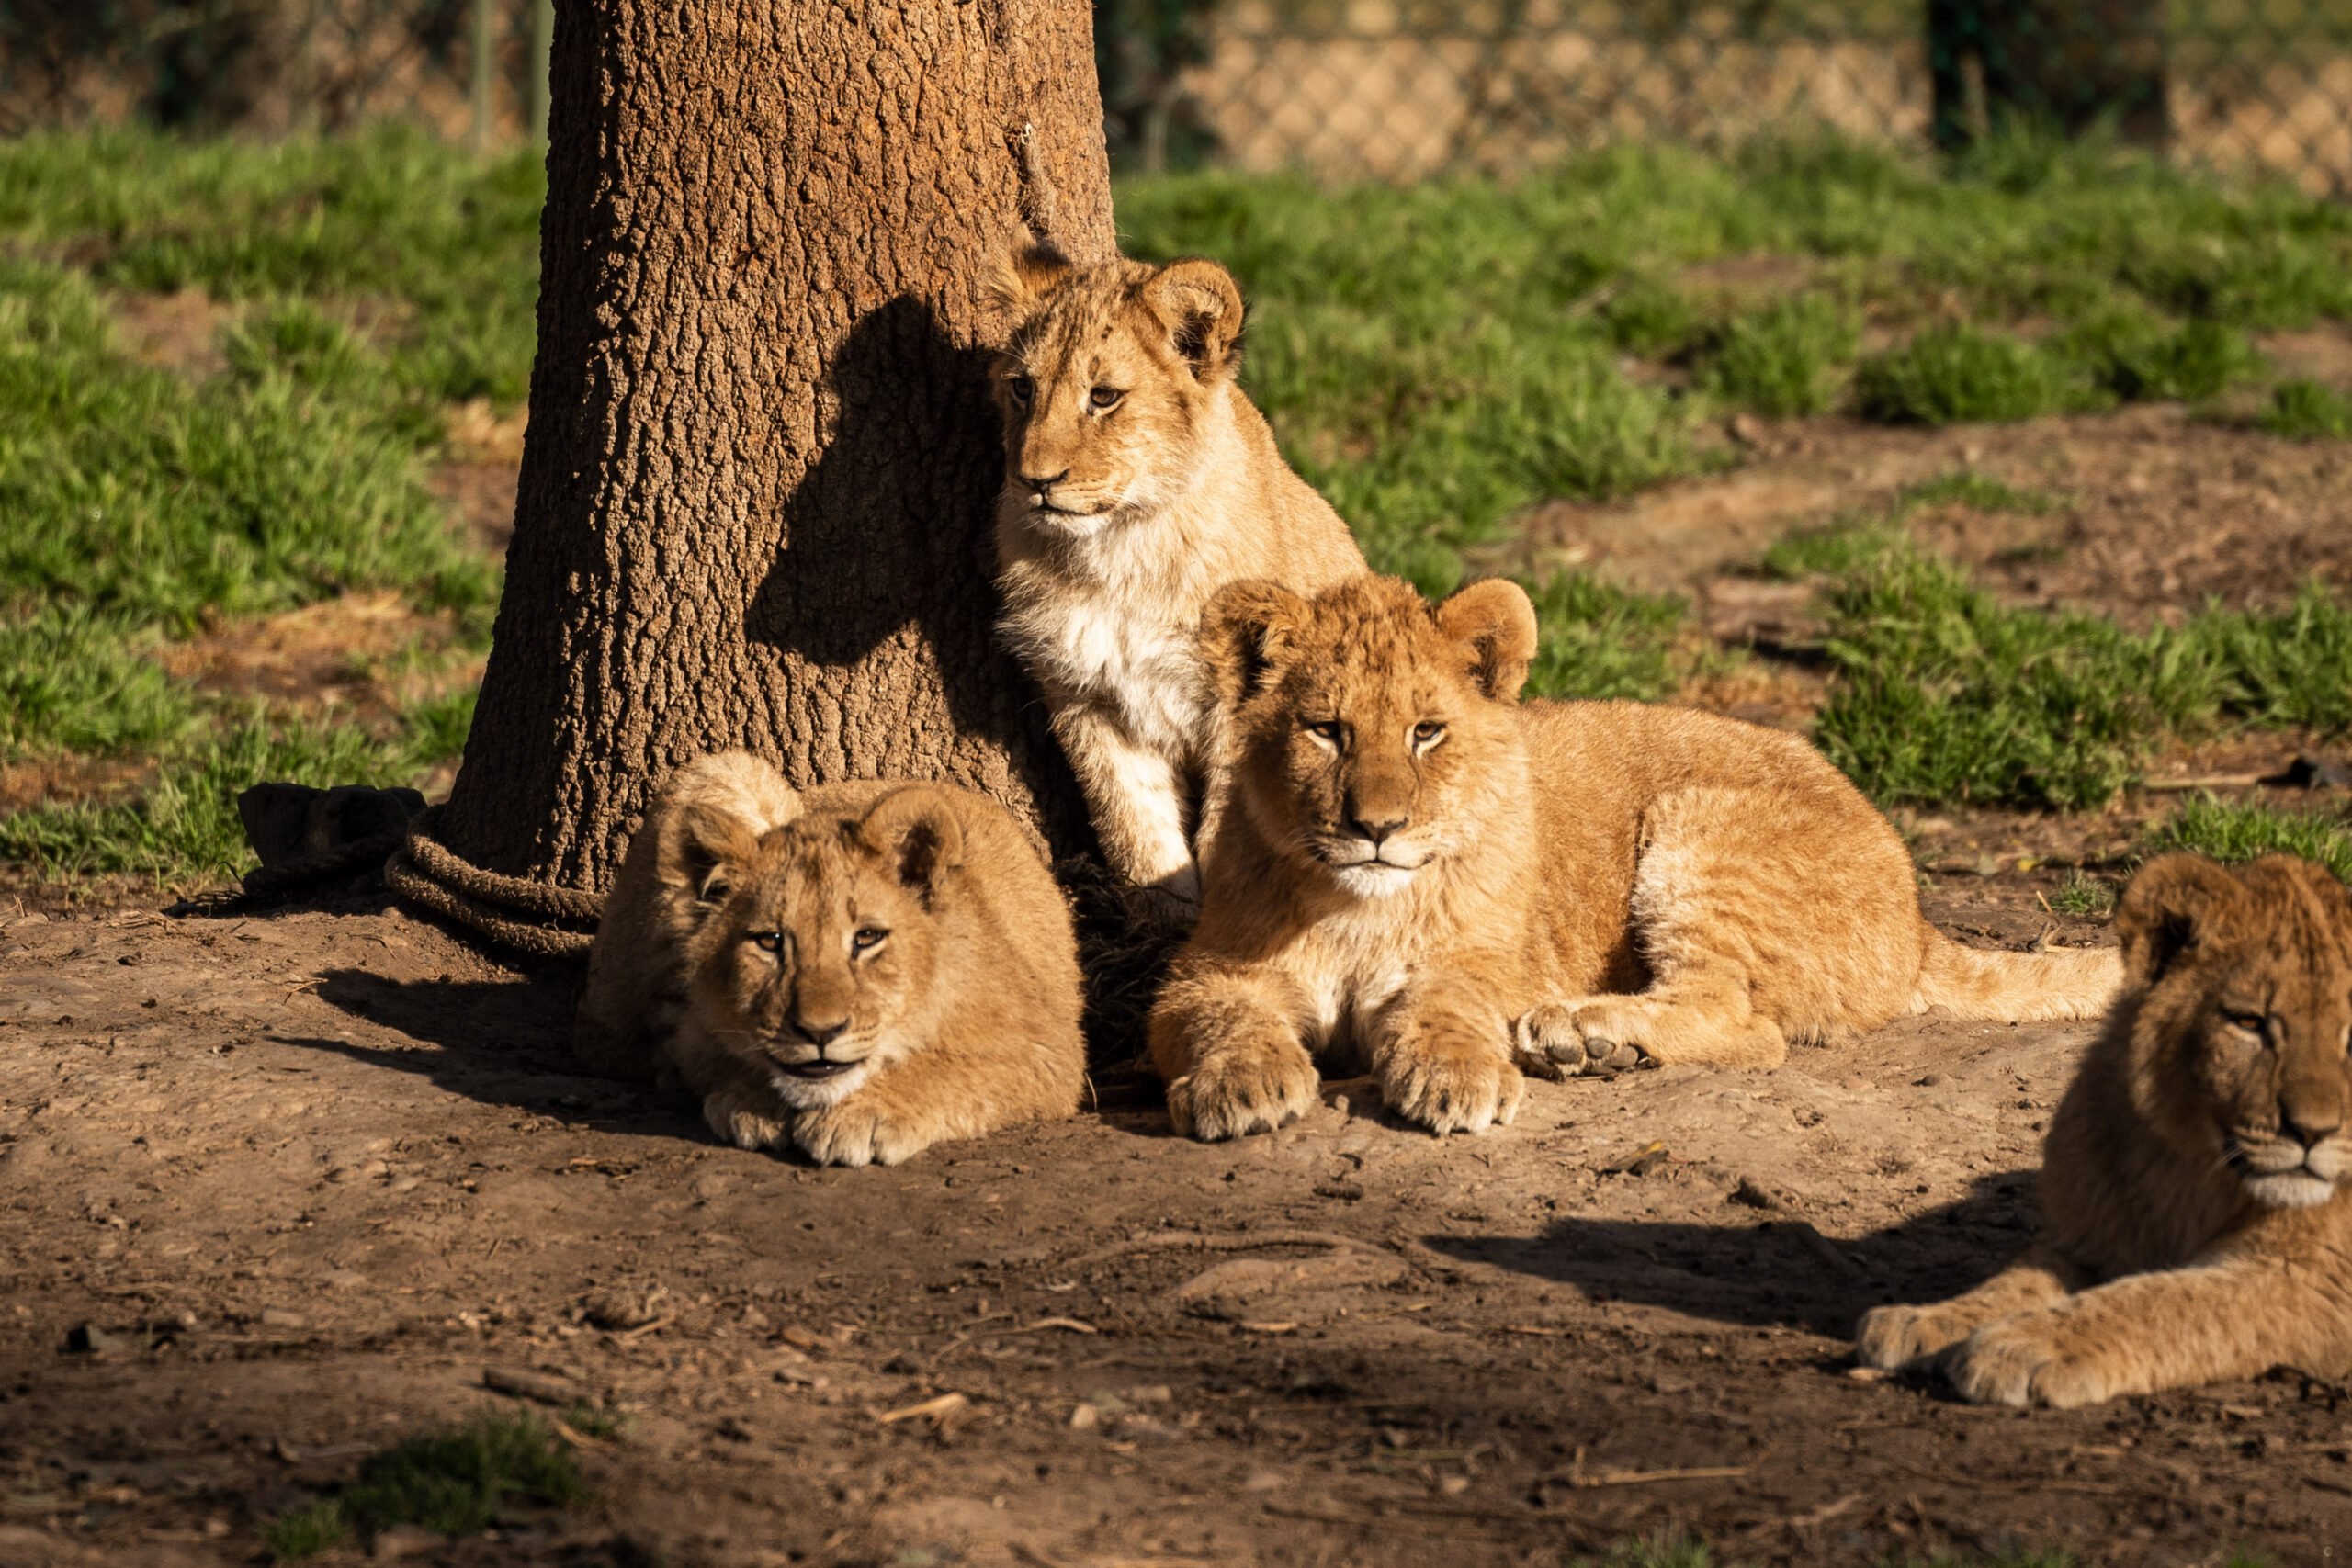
(1779, 1269)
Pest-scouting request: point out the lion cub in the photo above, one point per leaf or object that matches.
(1139, 479)
(1413, 864)
(860, 971)
(2196, 1225)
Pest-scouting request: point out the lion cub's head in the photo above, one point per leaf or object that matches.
(2245, 1016)
(1108, 382)
(1371, 732)
(816, 945)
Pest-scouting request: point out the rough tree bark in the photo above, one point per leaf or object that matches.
(760, 463)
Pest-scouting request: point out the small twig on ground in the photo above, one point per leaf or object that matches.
(1229, 1241)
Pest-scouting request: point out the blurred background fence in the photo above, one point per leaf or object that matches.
(1385, 89)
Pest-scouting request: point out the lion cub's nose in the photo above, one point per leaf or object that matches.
(1366, 826)
(819, 1035)
(2307, 1128)
(1041, 483)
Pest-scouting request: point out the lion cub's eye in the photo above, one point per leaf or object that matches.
(2251, 1023)
(1105, 398)
(866, 939)
(1429, 732)
(768, 941)
(1020, 387)
(1328, 733)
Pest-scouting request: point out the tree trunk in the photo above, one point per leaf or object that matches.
(761, 462)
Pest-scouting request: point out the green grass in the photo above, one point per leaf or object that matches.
(2304, 409)
(1598, 640)
(1786, 358)
(2234, 831)
(306, 1532)
(456, 1482)
(1944, 694)
(2083, 895)
(1952, 374)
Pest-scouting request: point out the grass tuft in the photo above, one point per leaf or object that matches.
(305, 1532)
(2083, 896)
(1786, 358)
(456, 1483)
(2303, 410)
(2232, 831)
(1954, 374)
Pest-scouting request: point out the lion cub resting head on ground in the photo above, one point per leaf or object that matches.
(1138, 479)
(2194, 1227)
(860, 971)
(1412, 863)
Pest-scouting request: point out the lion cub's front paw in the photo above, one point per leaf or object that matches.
(1892, 1337)
(855, 1134)
(2020, 1361)
(746, 1118)
(1555, 1042)
(1456, 1090)
(1234, 1093)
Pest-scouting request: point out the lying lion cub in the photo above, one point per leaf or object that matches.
(1414, 862)
(1138, 479)
(2196, 1165)
(860, 971)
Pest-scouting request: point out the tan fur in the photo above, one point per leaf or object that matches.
(1599, 882)
(1118, 523)
(757, 937)
(2196, 1225)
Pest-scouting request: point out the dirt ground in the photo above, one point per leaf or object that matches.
(283, 1187)
(304, 1181)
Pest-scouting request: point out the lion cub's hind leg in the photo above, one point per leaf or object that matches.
(1765, 914)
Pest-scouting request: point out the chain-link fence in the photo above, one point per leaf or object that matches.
(475, 69)
(1387, 89)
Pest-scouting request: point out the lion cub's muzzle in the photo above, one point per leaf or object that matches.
(2294, 1169)
(815, 1052)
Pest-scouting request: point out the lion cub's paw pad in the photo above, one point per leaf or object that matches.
(1555, 1043)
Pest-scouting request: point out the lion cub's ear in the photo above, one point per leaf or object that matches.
(918, 834)
(2176, 903)
(1200, 305)
(1247, 633)
(1024, 274)
(1495, 618)
(712, 813)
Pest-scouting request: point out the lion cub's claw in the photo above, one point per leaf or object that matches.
(1891, 1337)
(1555, 1041)
(1464, 1091)
(1231, 1097)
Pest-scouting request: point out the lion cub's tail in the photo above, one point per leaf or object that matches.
(2016, 987)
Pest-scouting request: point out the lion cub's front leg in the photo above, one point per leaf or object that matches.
(1443, 1056)
(1136, 798)
(746, 1115)
(1226, 1043)
(1893, 1336)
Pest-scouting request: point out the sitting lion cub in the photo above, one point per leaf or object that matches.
(860, 971)
(1413, 863)
(1138, 479)
(2195, 1166)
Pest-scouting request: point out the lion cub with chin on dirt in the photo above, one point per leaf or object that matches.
(1414, 864)
(1139, 479)
(2196, 1223)
(859, 971)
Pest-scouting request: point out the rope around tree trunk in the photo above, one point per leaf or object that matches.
(531, 917)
